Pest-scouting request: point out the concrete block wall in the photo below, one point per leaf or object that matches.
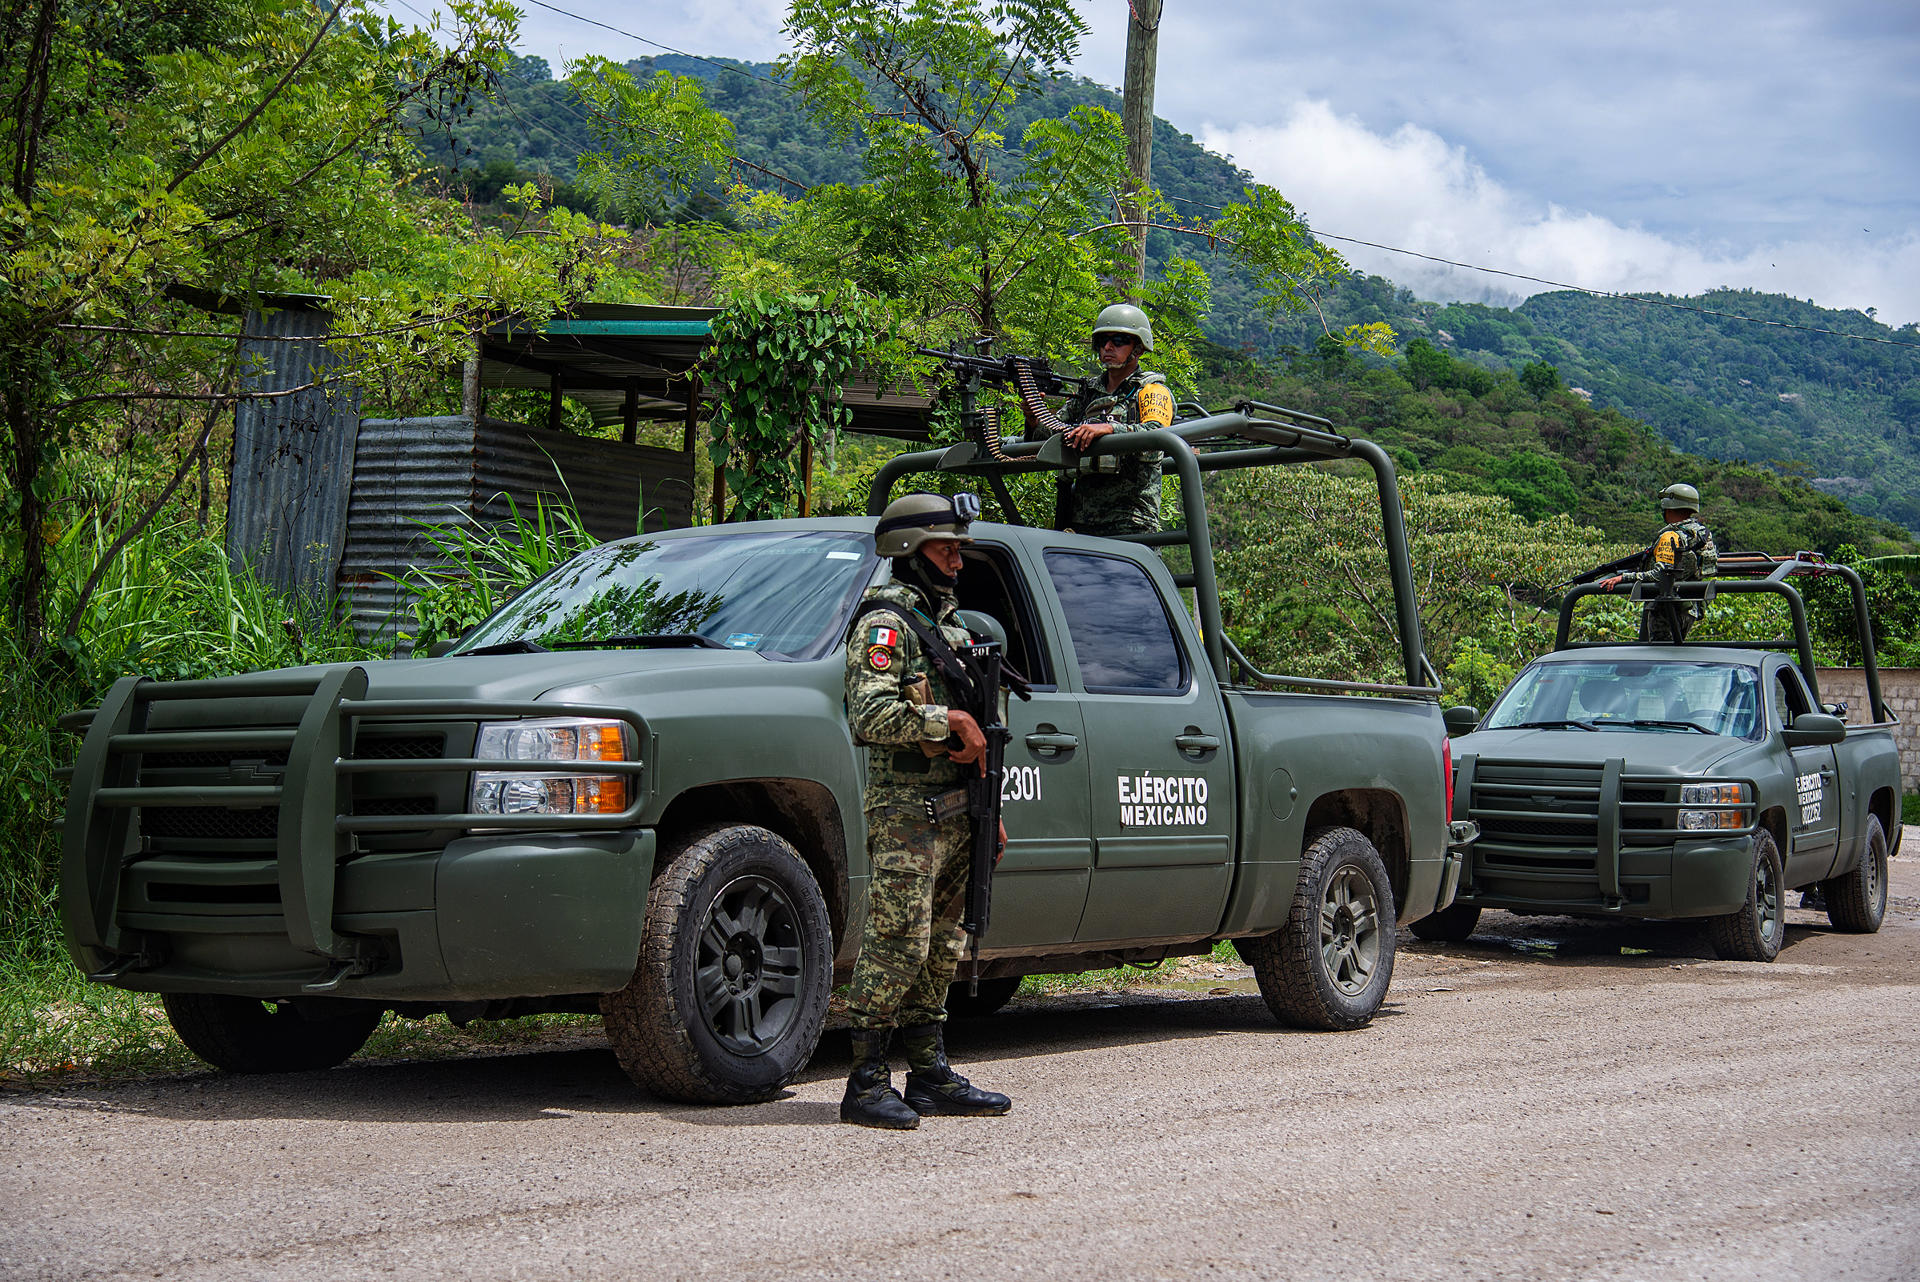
(1900, 687)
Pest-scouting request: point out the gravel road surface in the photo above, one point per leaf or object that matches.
(1556, 1099)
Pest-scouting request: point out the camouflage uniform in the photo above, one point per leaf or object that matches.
(896, 701)
(1126, 501)
(1684, 553)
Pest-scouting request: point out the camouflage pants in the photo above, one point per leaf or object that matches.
(1657, 624)
(912, 942)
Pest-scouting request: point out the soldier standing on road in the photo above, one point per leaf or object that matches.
(1121, 398)
(901, 704)
(1684, 553)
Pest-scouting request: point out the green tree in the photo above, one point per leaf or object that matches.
(232, 149)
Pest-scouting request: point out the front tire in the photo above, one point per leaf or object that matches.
(730, 993)
(1451, 925)
(1757, 929)
(1857, 901)
(246, 1035)
(1329, 966)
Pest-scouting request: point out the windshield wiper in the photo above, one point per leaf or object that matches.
(646, 641)
(1690, 725)
(518, 646)
(1549, 725)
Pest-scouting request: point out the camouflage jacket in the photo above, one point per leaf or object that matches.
(896, 698)
(1126, 500)
(1683, 553)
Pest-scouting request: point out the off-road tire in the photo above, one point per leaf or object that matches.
(1758, 928)
(730, 993)
(1857, 901)
(247, 1035)
(1329, 966)
(993, 994)
(1451, 925)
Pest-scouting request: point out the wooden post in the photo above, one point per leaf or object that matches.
(1143, 45)
(470, 405)
(693, 412)
(553, 402)
(630, 414)
(806, 472)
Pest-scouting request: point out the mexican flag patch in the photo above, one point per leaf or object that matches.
(883, 636)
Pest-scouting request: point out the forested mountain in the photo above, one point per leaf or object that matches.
(1840, 413)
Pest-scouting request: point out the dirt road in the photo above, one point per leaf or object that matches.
(1554, 1100)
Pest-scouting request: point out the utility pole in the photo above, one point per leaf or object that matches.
(1143, 46)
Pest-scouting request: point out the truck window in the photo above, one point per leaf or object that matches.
(990, 584)
(1119, 627)
(1789, 700)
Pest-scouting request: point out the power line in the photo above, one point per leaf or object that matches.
(619, 31)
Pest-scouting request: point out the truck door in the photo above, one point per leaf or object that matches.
(1161, 768)
(1040, 886)
(1813, 819)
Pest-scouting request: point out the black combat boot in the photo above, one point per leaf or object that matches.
(871, 1099)
(934, 1088)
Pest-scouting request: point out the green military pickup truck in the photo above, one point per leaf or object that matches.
(1697, 780)
(633, 790)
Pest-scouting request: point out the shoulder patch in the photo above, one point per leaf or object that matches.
(881, 635)
(1667, 548)
(879, 657)
(1156, 404)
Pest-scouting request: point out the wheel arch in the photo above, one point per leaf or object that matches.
(1885, 806)
(1774, 821)
(799, 810)
(1379, 813)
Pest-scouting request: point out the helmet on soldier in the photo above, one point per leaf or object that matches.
(1123, 318)
(919, 518)
(1680, 496)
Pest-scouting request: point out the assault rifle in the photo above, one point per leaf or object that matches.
(1631, 561)
(987, 675)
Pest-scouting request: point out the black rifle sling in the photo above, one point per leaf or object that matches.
(953, 665)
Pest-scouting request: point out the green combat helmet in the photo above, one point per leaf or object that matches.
(914, 519)
(1680, 497)
(1124, 318)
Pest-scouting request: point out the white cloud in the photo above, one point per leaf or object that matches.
(1414, 190)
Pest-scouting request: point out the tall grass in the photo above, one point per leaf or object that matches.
(481, 568)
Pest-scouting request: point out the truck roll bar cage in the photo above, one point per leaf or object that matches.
(1756, 572)
(1237, 440)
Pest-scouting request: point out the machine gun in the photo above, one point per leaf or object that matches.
(1031, 378)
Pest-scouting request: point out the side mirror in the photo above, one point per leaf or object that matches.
(983, 625)
(1812, 729)
(442, 646)
(1461, 720)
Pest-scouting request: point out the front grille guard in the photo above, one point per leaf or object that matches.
(314, 831)
(1609, 804)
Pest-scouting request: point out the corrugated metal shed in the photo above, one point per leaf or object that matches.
(286, 505)
(411, 472)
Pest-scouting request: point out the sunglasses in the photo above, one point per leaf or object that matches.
(1112, 340)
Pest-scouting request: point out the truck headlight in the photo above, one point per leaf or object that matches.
(521, 792)
(1732, 796)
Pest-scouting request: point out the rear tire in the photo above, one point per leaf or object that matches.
(1329, 966)
(1756, 931)
(1451, 925)
(1857, 901)
(993, 994)
(730, 993)
(247, 1035)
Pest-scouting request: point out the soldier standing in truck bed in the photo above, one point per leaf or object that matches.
(901, 704)
(1121, 398)
(1683, 553)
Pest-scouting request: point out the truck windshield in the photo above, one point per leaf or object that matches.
(783, 594)
(1633, 694)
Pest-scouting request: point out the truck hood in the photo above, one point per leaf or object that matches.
(1645, 751)
(582, 675)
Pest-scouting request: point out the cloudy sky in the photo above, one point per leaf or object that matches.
(1680, 146)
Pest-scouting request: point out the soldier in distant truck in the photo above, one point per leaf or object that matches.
(1684, 552)
(1121, 398)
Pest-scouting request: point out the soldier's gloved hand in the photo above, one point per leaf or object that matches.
(1086, 434)
(972, 742)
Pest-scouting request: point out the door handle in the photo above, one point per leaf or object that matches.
(1052, 741)
(1194, 741)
